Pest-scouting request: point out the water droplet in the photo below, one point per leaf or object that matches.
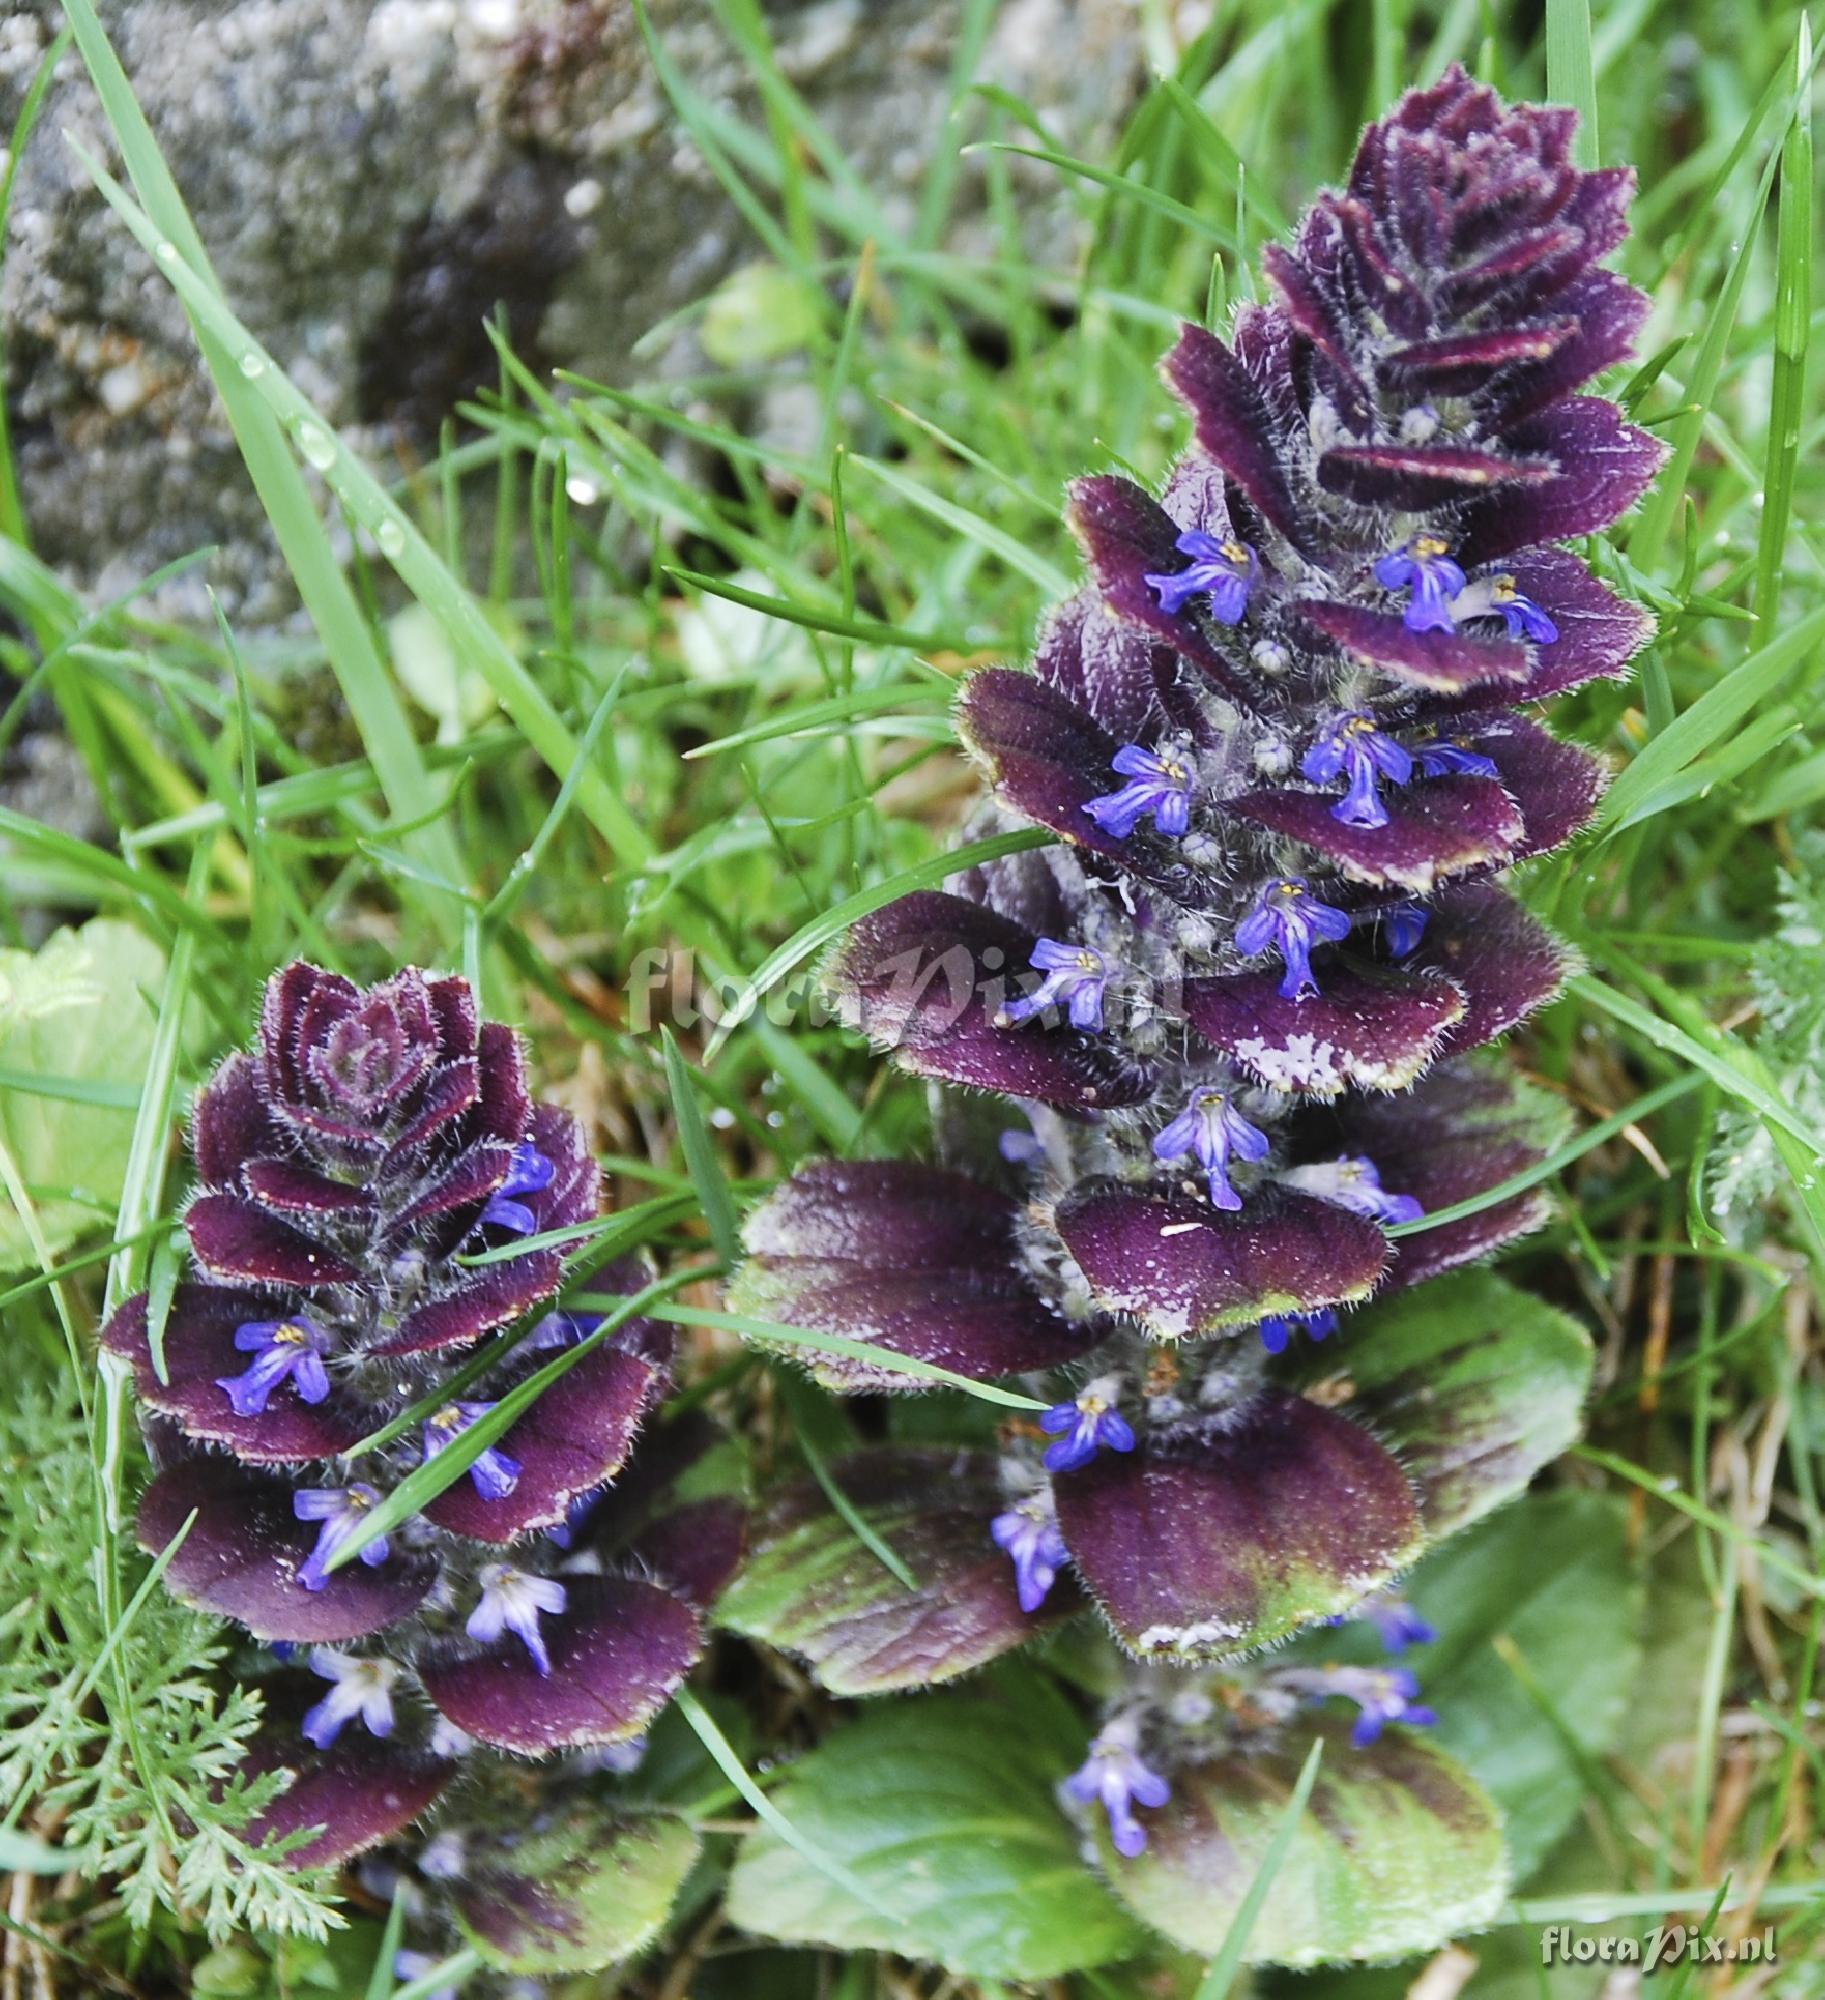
(317, 445)
(583, 492)
(392, 539)
(253, 366)
(166, 253)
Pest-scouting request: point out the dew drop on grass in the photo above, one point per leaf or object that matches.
(166, 253)
(392, 539)
(317, 445)
(253, 366)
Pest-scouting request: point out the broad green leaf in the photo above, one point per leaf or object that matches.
(946, 1806)
(1539, 1613)
(586, 1891)
(812, 1587)
(1398, 1850)
(1472, 1383)
(76, 1029)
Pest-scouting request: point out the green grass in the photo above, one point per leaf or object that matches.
(714, 728)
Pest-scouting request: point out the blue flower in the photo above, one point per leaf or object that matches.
(1021, 1149)
(1403, 925)
(1425, 566)
(363, 1688)
(1354, 1183)
(1083, 1426)
(291, 1348)
(409, 1965)
(1399, 1625)
(1114, 1776)
(1288, 916)
(1279, 1328)
(1381, 1694)
(1354, 746)
(1499, 597)
(530, 1173)
(1455, 759)
(512, 1601)
(1028, 1531)
(1075, 974)
(581, 1506)
(1212, 1130)
(1224, 572)
(494, 1473)
(1161, 785)
(341, 1509)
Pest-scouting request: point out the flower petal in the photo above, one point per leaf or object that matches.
(910, 1258)
(242, 1555)
(1238, 1532)
(1369, 1029)
(1183, 1267)
(199, 1349)
(618, 1653)
(925, 978)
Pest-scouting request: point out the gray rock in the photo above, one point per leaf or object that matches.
(373, 179)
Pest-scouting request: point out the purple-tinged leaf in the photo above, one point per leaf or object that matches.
(574, 1438)
(1436, 828)
(242, 1556)
(1464, 1129)
(295, 1189)
(1457, 364)
(917, 1260)
(1447, 662)
(1416, 477)
(618, 1653)
(1047, 758)
(1102, 666)
(584, 1888)
(233, 1238)
(505, 1108)
(1606, 314)
(1605, 465)
(1556, 784)
(483, 1299)
(360, 1792)
(230, 1124)
(1238, 1531)
(449, 1092)
(926, 979)
(468, 1182)
(1182, 1267)
(1474, 1385)
(458, 1019)
(812, 1588)
(1504, 961)
(1367, 1029)
(1233, 427)
(1313, 308)
(1125, 535)
(1398, 1851)
(199, 1351)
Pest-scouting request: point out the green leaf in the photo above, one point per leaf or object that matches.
(811, 1586)
(589, 1890)
(1539, 1612)
(76, 1034)
(1473, 1384)
(946, 1807)
(1398, 1850)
